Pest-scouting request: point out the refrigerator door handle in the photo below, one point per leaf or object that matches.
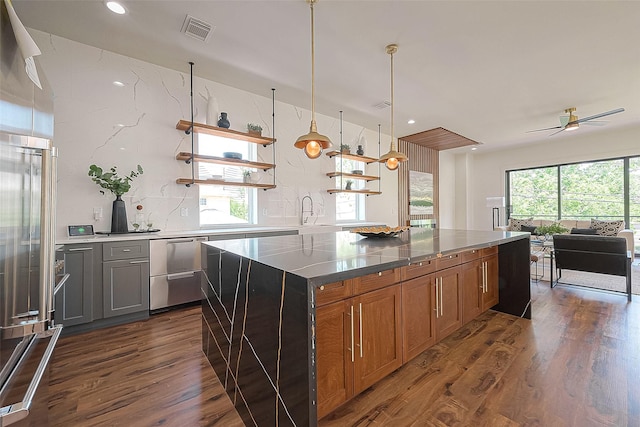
(61, 283)
(13, 413)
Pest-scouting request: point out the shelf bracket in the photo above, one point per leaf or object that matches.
(189, 129)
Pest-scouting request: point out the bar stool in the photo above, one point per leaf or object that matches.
(535, 257)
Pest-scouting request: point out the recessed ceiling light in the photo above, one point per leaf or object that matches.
(411, 121)
(474, 148)
(117, 83)
(116, 7)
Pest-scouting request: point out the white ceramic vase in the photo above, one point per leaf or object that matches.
(212, 111)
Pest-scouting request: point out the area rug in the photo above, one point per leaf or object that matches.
(595, 280)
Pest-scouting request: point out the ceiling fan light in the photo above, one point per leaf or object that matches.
(571, 126)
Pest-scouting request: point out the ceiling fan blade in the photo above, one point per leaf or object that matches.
(595, 116)
(538, 130)
(557, 132)
(595, 122)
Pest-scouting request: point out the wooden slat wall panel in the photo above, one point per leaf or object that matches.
(421, 159)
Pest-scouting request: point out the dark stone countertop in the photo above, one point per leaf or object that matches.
(329, 257)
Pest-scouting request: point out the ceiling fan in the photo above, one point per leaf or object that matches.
(572, 122)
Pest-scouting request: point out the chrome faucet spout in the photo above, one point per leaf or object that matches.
(304, 220)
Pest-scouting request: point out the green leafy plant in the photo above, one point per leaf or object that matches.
(111, 181)
(253, 127)
(554, 228)
(345, 148)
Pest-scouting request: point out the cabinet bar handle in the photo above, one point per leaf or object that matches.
(79, 249)
(361, 318)
(485, 278)
(352, 338)
(126, 250)
(437, 308)
(139, 262)
(441, 307)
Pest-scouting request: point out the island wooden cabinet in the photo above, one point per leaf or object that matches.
(448, 301)
(491, 277)
(369, 326)
(479, 280)
(358, 340)
(378, 342)
(335, 355)
(471, 282)
(418, 316)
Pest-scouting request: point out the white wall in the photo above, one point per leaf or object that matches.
(97, 122)
(486, 171)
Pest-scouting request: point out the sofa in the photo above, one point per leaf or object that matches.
(593, 226)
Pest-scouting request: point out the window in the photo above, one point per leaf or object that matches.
(349, 206)
(220, 204)
(603, 189)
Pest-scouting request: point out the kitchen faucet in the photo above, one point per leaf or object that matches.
(304, 220)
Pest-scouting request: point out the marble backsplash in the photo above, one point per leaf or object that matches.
(131, 123)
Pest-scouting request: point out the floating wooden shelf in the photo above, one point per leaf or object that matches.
(352, 156)
(186, 156)
(187, 181)
(352, 175)
(367, 192)
(226, 133)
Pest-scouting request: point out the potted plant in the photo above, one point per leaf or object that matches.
(254, 129)
(345, 148)
(118, 185)
(246, 175)
(348, 184)
(554, 228)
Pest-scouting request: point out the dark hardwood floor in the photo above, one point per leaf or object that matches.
(576, 363)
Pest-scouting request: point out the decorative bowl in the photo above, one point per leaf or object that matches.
(383, 232)
(232, 155)
(356, 172)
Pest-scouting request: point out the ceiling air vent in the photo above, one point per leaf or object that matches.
(382, 105)
(197, 28)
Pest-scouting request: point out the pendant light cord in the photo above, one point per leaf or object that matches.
(392, 104)
(313, 67)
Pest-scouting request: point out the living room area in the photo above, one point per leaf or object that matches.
(572, 180)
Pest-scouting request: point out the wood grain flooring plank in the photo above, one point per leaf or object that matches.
(140, 374)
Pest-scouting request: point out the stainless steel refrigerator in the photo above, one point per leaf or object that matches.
(27, 217)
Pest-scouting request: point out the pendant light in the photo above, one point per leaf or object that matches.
(393, 158)
(313, 143)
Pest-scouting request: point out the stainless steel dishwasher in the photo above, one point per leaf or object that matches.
(175, 272)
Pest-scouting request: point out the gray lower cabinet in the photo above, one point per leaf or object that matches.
(73, 302)
(125, 277)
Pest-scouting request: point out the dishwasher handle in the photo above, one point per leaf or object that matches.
(185, 275)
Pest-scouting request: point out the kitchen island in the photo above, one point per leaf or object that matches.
(265, 329)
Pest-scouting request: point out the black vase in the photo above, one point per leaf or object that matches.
(223, 122)
(119, 216)
(360, 151)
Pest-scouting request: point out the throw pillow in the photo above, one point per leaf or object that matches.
(528, 228)
(589, 231)
(607, 228)
(516, 224)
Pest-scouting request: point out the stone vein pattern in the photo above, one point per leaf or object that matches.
(255, 336)
(98, 122)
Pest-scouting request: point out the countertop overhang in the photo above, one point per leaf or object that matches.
(329, 257)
